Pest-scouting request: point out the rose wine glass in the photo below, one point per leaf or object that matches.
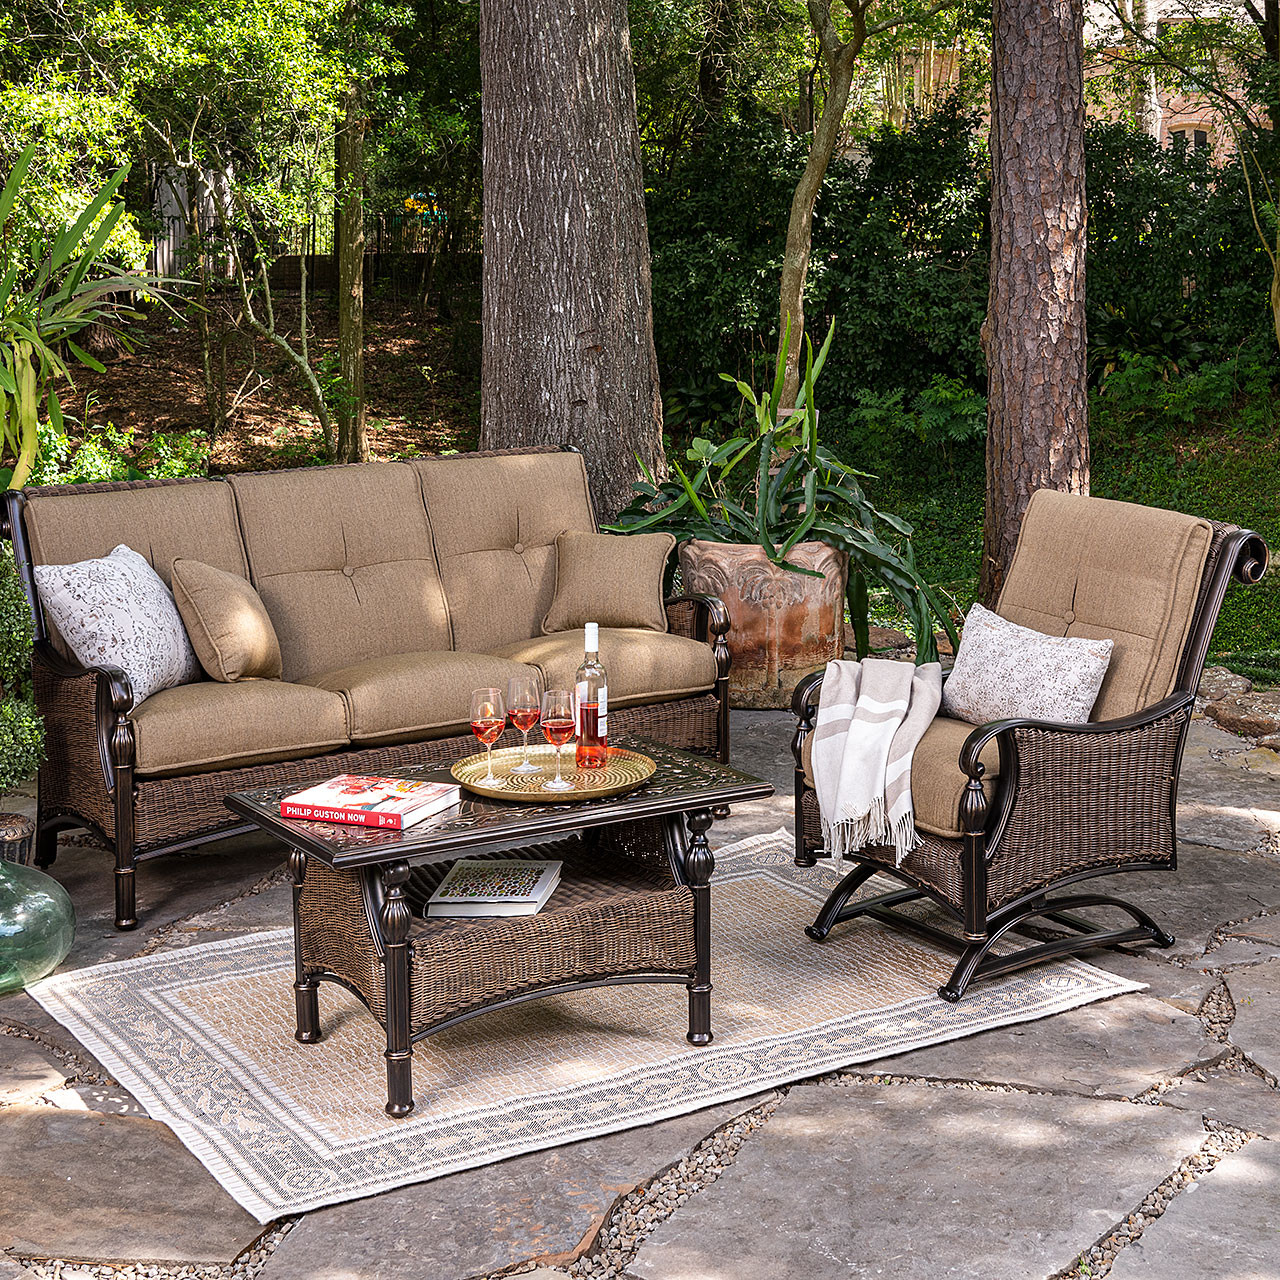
(557, 727)
(488, 719)
(523, 712)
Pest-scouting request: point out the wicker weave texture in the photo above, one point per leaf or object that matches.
(70, 777)
(608, 917)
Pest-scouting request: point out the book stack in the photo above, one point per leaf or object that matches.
(494, 887)
(392, 803)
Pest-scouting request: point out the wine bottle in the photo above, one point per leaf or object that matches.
(591, 705)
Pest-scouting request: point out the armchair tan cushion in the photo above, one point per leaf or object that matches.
(1110, 570)
(227, 622)
(937, 783)
(612, 579)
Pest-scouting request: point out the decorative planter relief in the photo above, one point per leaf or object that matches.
(782, 624)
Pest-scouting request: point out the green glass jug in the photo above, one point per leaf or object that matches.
(37, 925)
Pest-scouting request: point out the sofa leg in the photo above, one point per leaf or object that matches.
(46, 844)
(126, 891)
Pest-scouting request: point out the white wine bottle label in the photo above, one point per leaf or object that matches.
(604, 712)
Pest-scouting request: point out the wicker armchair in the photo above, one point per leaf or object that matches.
(1010, 811)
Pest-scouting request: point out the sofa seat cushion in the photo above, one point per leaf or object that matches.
(937, 783)
(643, 666)
(414, 695)
(210, 725)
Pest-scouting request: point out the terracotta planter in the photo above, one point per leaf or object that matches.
(783, 624)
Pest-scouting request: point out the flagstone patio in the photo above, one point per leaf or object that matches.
(1139, 1136)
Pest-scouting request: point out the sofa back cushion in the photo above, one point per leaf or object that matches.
(1110, 570)
(193, 519)
(495, 521)
(342, 559)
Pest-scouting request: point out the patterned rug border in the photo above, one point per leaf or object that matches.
(234, 1168)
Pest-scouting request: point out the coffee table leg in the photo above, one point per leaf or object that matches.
(395, 917)
(304, 985)
(698, 865)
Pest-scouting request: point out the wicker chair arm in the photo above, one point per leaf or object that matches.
(804, 697)
(115, 691)
(710, 623)
(978, 739)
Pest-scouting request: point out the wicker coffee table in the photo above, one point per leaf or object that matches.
(633, 904)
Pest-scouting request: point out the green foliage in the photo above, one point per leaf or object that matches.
(15, 631)
(21, 742)
(46, 302)
(111, 453)
(779, 487)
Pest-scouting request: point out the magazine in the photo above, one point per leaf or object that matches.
(371, 801)
(494, 887)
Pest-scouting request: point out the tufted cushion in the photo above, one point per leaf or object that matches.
(410, 696)
(495, 521)
(937, 783)
(643, 666)
(342, 559)
(1110, 570)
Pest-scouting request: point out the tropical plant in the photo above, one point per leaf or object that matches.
(780, 487)
(46, 301)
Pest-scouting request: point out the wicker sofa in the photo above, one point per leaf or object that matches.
(394, 588)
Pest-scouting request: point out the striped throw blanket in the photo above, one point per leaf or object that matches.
(871, 715)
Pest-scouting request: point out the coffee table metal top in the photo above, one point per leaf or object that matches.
(682, 782)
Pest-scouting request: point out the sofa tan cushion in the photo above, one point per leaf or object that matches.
(643, 666)
(1110, 570)
(414, 695)
(209, 725)
(937, 783)
(613, 579)
(495, 521)
(342, 558)
(195, 519)
(227, 623)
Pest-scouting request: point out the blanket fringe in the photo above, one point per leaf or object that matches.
(874, 829)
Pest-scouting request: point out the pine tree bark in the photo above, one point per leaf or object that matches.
(1034, 335)
(568, 354)
(349, 407)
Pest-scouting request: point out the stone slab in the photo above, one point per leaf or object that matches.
(1114, 1048)
(1236, 1097)
(10, 1270)
(1209, 888)
(27, 1070)
(540, 1206)
(1225, 1226)
(1255, 1032)
(920, 1184)
(1228, 794)
(1180, 987)
(93, 1187)
(760, 745)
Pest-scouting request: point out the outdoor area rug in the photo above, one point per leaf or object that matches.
(203, 1038)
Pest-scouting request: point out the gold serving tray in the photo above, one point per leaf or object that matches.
(625, 771)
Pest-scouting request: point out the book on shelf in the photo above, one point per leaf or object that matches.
(371, 801)
(494, 887)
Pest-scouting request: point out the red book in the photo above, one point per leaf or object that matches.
(368, 801)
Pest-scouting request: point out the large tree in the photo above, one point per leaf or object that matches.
(1037, 416)
(568, 352)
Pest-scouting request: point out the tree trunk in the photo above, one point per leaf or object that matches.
(353, 438)
(1147, 113)
(568, 354)
(1034, 335)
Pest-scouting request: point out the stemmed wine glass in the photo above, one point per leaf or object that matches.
(557, 728)
(488, 719)
(523, 712)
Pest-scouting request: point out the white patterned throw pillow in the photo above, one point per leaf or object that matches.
(117, 612)
(1003, 671)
